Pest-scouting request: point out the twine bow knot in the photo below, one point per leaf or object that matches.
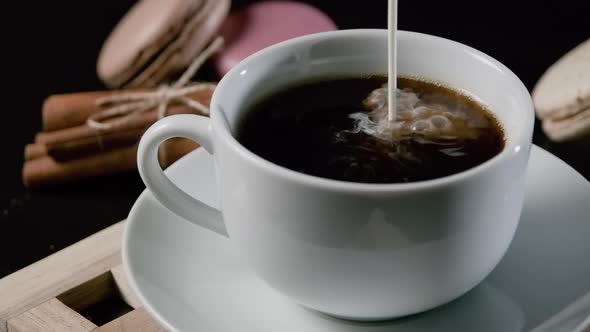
(127, 105)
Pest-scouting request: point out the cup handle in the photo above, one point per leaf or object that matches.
(194, 127)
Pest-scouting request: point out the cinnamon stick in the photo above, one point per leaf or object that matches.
(84, 132)
(70, 150)
(174, 149)
(81, 140)
(46, 171)
(36, 150)
(63, 151)
(41, 169)
(72, 109)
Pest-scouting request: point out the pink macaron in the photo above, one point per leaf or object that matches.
(266, 23)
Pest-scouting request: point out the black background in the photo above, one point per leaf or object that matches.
(51, 47)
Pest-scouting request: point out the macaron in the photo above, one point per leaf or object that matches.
(265, 23)
(562, 96)
(157, 39)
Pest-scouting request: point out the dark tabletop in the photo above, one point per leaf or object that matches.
(51, 47)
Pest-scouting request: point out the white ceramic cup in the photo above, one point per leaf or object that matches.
(356, 251)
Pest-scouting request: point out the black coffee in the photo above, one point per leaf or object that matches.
(313, 128)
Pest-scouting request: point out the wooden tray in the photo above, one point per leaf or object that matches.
(80, 288)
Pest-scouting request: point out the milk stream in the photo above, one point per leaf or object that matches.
(392, 58)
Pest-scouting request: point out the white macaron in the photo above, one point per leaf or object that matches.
(156, 39)
(562, 96)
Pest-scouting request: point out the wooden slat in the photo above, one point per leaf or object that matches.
(50, 316)
(58, 273)
(136, 320)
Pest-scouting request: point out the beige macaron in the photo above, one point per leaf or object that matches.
(562, 96)
(158, 38)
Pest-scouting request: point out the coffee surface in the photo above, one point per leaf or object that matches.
(333, 128)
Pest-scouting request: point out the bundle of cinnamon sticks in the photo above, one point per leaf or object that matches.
(68, 149)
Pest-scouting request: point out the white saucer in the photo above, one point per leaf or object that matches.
(191, 279)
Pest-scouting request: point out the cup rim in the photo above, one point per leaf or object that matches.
(221, 127)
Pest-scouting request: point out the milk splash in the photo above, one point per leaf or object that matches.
(416, 119)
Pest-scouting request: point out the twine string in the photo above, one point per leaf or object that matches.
(130, 104)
